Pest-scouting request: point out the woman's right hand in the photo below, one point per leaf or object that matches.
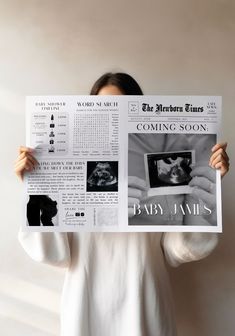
(25, 161)
(136, 189)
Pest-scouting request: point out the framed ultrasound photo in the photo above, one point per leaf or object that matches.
(169, 172)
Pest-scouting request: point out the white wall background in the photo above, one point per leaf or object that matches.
(61, 47)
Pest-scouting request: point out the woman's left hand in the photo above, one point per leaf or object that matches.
(219, 158)
(203, 185)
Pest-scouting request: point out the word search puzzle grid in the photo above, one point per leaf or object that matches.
(91, 131)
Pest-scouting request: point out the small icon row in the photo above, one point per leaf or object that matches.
(52, 135)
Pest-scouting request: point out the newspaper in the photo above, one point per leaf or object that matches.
(122, 164)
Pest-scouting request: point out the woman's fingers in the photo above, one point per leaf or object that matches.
(25, 149)
(137, 183)
(223, 167)
(202, 171)
(29, 156)
(207, 198)
(219, 158)
(20, 168)
(133, 192)
(204, 184)
(25, 161)
(25, 164)
(219, 145)
(136, 188)
(219, 154)
(219, 151)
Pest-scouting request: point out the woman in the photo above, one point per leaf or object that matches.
(116, 283)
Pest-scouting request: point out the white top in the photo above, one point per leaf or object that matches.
(116, 283)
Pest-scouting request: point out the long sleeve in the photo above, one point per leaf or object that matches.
(46, 247)
(182, 247)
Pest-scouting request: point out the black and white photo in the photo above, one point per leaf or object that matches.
(42, 210)
(180, 187)
(102, 176)
(169, 172)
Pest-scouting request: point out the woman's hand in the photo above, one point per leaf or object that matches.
(136, 188)
(203, 185)
(219, 158)
(25, 161)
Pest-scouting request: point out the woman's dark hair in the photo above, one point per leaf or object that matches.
(126, 84)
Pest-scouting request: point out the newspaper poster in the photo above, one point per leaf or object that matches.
(122, 164)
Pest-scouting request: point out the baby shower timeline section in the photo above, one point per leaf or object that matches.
(89, 147)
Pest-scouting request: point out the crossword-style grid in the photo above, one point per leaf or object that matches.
(91, 130)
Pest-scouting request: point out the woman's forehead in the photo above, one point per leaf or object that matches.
(110, 90)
